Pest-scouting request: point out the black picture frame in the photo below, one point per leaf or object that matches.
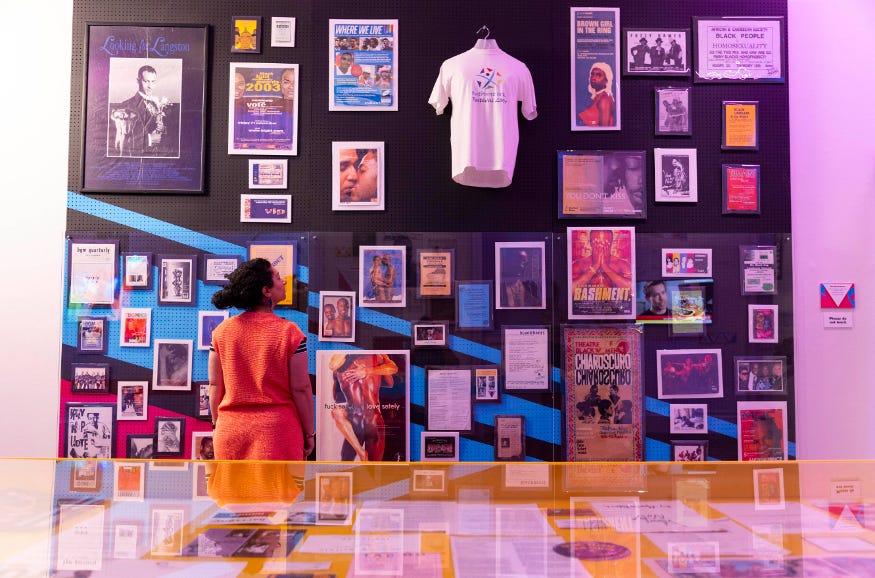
(430, 334)
(689, 450)
(140, 446)
(738, 198)
(246, 41)
(739, 132)
(435, 273)
(169, 437)
(672, 62)
(599, 184)
(177, 279)
(91, 338)
(202, 400)
(769, 64)
(672, 114)
(89, 430)
(474, 305)
(507, 440)
(137, 271)
(89, 378)
(215, 268)
(487, 384)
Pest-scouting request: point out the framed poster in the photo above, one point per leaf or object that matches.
(90, 378)
(686, 262)
(595, 62)
(169, 436)
(739, 49)
(382, 276)
(438, 446)
(448, 401)
(660, 52)
(758, 269)
(510, 438)
(132, 401)
(216, 268)
(247, 34)
(435, 273)
(373, 384)
(358, 178)
(135, 327)
(202, 403)
(689, 373)
(144, 117)
(604, 385)
(85, 476)
(526, 357)
(202, 445)
(601, 273)
(689, 451)
(602, 184)
(263, 109)
(130, 482)
(768, 489)
(762, 323)
(337, 316)
(362, 64)
(282, 31)
(140, 446)
(741, 190)
(676, 175)
(761, 374)
(137, 271)
(89, 430)
(207, 321)
(334, 498)
(93, 269)
(486, 384)
(91, 335)
(177, 279)
(172, 365)
(672, 115)
(430, 334)
(520, 269)
(474, 304)
(762, 430)
(268, 173)
(688, 418)
(741, 125)
(265, 208)
(283, 256)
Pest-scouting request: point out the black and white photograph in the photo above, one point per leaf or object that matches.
(685, 418)
(762, 374)
(430, 334)
(90, 430)
(171, 367)
(140, 446)
(676, 175)
(177, 279)
(672, 111)
(169, 436)
(689, 451)
(662, 52)
(688, 373)
(90, 378)
(519, 268)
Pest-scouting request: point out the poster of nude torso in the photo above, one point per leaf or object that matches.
(603, 393)
(601, 273)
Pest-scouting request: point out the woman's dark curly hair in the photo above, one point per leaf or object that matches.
(244, 285)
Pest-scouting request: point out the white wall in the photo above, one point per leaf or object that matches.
(833, 181)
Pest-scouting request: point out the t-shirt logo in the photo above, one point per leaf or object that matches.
(488, 79)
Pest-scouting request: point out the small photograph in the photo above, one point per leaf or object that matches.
(676, 175)
(694, 557)
(177, 279)
(202, 445)
(382, 276)
(439, 446)
(92, 335)
(689, 451)
(140, 446)
(768, 489)
(486, 384)
(169, 433)
(358, 182)
(172, 365)
(686, 373)
(247, 34)
(130, 482)
(688, 418)
(207, 321)
(520, 271)
(762, 323)
(167, 526)
(672, 111)
(135, 330)
(202, 410)
(216, 268)
(337, 316)
(90, 378)
(429, 482)
(132, 400)
(137, 271)
(430, 334)
(760, 374)
(663, 52)
(334, 498)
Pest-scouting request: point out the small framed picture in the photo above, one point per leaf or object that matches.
(265, 208)
(741, 189)
(140, 446)
(282, 32)
(91, 336)
(688, 418)
(283, 255)
(334, 498)
(696, 558)
(676, 175)
(672, 111)
(199, 490)
(337, 316)
(486, 386)
(438, 446)
(689, 451)
(90, 378)
(761, 374)
(167, 532)
(207, 321)
(89, 430)
(130, 482)
(172, 365)
(202, 403)
(126, 540)
(136, 327)
(768, 489)
(661, 52)
(431, 481)
(762, 323)
(247, 34)
(202, 445)
(177, 283)
(435, 273)
(85, 476)
(268, 173)
(685, 373)
(758, 269)
(741, 125)
(169, 436)
(745, 50)
(132, 402)
(137, 271)
(686, 262)
(358, 181)
(520, 271)
(430, 334)
(93, 270)
(216, 268)
(382, 276)
(762, 430)
(474, 305)
(510, 438)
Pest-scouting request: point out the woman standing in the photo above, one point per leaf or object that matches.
(261, 399)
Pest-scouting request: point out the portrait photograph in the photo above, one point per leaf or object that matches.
(438, 446)
(216, 268)
(689, 451)
(486, 386)
(676, 175)
(90, 430)
(382, 276)
(761, 374)
(90, 378)
(132, 401)
(337, 316)
(207, 321)
(662, 52)
(430, 334)
(263, 109)
(762, 323)
(135, 327)
(169, 437)
(602, 184)
(357, 178)
(684, 373)
(177, 279)
(140, 446)
(137, 271)
(672, 111)
(688, 418)
(521, 274)
(171, 365)
(91, 335)
(202, 445)
(334, 498)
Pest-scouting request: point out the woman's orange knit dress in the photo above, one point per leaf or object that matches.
(257, 419)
